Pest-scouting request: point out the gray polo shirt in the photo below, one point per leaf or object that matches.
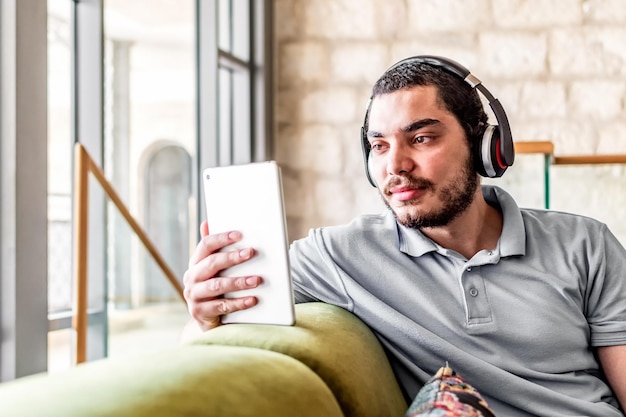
(517, 321)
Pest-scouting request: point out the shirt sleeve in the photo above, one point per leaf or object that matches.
(314, 273)
(606, 291)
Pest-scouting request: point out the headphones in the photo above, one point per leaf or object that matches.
(493, 151)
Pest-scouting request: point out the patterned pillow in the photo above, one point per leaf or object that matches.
(448, 395)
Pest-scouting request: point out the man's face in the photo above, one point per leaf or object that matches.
(420, 158)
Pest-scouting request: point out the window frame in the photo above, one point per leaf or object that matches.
(23, 189)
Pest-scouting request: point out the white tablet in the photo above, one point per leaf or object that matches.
(249, 198)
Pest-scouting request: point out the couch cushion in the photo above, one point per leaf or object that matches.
(447, 394)
(336, 345)
(189, 381)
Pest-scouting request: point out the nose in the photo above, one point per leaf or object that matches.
(399, 160)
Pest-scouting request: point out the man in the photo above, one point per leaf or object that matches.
(528, 305)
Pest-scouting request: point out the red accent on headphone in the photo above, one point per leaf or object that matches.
(501, 164)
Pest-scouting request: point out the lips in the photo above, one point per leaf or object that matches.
(406, 188)
(406, 193)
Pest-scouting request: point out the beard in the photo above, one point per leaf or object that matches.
(455, 196)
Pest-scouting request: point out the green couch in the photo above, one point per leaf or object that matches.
(329, 364)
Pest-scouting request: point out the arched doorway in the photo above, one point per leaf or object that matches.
(166, 217)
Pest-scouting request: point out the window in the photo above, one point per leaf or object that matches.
(139, 84)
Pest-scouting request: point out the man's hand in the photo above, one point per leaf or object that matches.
(204, 288)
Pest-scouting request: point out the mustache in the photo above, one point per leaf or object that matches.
(407, 181)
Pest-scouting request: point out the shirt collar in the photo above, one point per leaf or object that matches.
(512, 240)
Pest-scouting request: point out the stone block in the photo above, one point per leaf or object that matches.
(295, 228)
(612, 138)
(543, 100)
(604, 11)
(285, 148)
(358, 62)
(391, 19)
(574, 138)
(536, 14)
(298, 197)
(303, 62)
(510, 55)
(287, 18)
(588, 51)
(447, 16)
(339, 19)
(320, 150)
(286, 105)
(329, 105)
(597, 99)
(334, 200)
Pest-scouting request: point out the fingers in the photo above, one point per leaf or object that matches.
(204, 228)
(210, 266)
(213, 243)
(206, 304)
(217, 287)
(204, 291)
(208, 314)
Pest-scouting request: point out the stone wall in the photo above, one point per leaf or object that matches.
(558, 67)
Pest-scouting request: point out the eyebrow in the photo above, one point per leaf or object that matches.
(417, 125)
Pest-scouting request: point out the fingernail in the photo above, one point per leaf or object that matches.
(252, 281)
(234, 235)
(248, 302)
(244, 253)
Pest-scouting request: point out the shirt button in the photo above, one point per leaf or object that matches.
(490, 253)
(473, 292)
(469, 269)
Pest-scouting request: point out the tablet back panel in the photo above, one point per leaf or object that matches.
(249, 198)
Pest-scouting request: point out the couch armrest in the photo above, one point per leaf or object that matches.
(335, 344)
(190, 381)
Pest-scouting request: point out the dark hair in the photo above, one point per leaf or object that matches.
(456, 95)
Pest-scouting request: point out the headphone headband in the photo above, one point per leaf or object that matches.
(497, 153)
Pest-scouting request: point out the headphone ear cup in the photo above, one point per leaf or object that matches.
(487, 156)
(365, 147)
(368, 167)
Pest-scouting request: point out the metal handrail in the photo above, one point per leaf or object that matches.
(547, 149)
(83, 165)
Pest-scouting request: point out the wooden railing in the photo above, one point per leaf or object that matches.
(83, 165)
(546, 148)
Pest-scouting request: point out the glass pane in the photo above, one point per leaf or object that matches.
(241, 29)
(59, 156)
(150, 135)
(159, 320)
(242, 117)
(224, 24)
(225, 116)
